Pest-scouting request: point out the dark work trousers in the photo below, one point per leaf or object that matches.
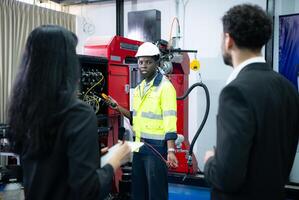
(149, 178)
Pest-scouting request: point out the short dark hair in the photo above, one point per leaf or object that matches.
(249, 26)
(46, 83)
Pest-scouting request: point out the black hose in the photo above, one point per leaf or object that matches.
(206, 113)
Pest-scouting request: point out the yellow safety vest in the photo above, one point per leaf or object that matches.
(154, 113)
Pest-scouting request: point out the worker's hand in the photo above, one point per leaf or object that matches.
(172, 161)
(104, 151)
(208, 155)
(121, 156)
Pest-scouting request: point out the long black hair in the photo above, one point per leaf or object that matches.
(46, 82)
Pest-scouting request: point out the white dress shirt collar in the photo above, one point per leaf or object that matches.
(245, 63)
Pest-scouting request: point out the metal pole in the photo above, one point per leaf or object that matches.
(120, 17)
(269, 45)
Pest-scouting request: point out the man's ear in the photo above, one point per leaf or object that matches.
(228, 41)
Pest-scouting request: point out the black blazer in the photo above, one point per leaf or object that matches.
(257, 136)
(72, 170)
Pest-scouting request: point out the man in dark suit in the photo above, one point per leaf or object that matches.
(258, 115)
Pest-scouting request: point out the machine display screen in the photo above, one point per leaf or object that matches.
(127, 46)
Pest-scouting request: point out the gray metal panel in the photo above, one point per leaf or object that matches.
(147, 23)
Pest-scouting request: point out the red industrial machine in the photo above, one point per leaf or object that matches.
(115, 50)
(179, 77)
(175, 64)
(109, 66)
(120, 74)
(104, 71)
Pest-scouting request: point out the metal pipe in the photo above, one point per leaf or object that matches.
(183, 50)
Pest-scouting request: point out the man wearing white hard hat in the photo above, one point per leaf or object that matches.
(154, 123)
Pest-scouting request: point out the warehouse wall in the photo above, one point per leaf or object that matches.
(203, 31)
(103, 17)
(94, 19)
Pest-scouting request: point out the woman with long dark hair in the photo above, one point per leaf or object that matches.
(54, 132)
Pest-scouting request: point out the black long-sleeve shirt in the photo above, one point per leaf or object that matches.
(72, 170)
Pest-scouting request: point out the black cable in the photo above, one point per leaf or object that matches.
(205, 116)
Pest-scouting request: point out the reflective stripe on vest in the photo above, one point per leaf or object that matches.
(151, 115)
(152, 136)
(169, 113)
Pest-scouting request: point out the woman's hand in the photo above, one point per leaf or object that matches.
(104, 151)
(121, 156)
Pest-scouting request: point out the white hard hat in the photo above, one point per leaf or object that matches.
(147, 49)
